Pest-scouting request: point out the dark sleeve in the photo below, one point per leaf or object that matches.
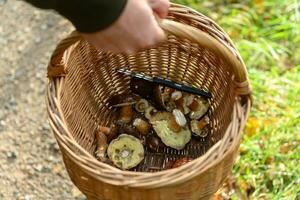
(86, 15)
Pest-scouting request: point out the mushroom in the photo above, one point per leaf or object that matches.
(101, 146)
(110, 133)
(125, 151)
(142, 126)
(176, 95)
(125, 114)
(154, 142)
(198, 127)
(173, 125)
(181, 162)
(141, 87)
(183, 102)
(141, 105)
(160, 122)
(162, 95)
(128, 129)
(149, 112)
(124, 99)
(199, 107)
(179, 117)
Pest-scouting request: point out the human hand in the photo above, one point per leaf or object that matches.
(136, 28)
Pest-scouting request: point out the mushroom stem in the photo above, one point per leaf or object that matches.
(110, 133)
(101, 146)
(126, 114)
(173, 126)
(179, 117)
(142, 126)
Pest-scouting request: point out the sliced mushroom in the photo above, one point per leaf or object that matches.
(182, 104)
(199, 127)
(199, 107)
(149, 112)
(176, 95)
(186, 100)
(141, 87)
(141, 105)
(126, 151)
(171, 105)
(172, 124)
(124, 99)
(142, 126)
(170, 138)
(179, 117)
(101, 146)
(159, 116)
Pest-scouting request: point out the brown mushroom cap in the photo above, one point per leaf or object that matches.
(199, 128)
(110, 132)
(162, 97)
(141, 87)
(199, 108)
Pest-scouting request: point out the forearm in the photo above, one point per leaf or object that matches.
(87, 16)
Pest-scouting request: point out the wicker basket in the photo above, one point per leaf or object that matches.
(197, 52)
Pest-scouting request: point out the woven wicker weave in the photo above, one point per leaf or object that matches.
(197, 52)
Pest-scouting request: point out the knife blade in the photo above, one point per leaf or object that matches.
(166, 82)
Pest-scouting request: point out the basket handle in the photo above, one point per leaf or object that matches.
(205, 40)
(56, 67)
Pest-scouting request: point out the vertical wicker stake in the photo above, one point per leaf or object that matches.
(197, 52)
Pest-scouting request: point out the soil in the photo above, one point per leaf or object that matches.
(31, 165)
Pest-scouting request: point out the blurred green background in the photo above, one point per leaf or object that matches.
(267, 34)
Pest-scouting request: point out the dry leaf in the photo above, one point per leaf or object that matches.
(259, 4)
(285, 148)
(270, 121)
(269, 160)
(246, 187)
(252, 126)
(218, 197)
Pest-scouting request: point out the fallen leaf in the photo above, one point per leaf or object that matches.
(270, 121)
(246, 187)
(252, 126)
(269, 160)
(218, 197)
(259, 4)
(285, 148)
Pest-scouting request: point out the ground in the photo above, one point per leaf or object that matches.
(30, 163)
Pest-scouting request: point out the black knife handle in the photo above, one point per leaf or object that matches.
(181, 87)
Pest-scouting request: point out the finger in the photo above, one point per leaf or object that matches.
(160, 7)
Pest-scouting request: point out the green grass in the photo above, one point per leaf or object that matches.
(267, 34)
